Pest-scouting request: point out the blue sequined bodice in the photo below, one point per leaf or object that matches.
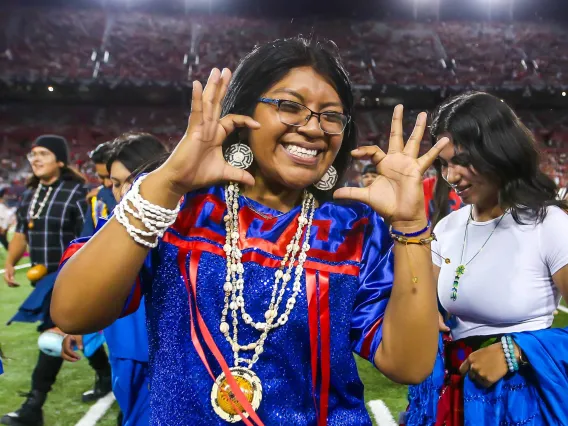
(349, 243)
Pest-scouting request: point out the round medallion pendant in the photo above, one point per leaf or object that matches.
(31, 224)
(224, 402)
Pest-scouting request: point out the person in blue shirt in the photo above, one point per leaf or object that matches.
(127, 338)
(101, 201)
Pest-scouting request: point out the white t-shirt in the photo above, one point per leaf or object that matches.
(508, 287)
(7, 216)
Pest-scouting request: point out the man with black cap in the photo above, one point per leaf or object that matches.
(49, 216)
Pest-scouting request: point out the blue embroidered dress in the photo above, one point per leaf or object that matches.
(307, 366)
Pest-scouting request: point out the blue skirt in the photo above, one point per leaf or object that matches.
(130, 387)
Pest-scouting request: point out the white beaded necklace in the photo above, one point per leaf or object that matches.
(31, 215)
(234, 301)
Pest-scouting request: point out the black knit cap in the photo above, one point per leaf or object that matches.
(56, 144)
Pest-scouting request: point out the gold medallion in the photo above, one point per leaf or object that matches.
(31, 224)
(224, 402)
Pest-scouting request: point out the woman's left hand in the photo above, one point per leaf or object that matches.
(397, 194)
(486, 366)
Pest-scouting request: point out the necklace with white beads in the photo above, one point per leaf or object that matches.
(31, 215)
(234, 298)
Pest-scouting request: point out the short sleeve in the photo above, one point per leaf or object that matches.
(81, 206)
(554, 239)
(375, 285)
(144, 277)
(21, 213)
(435, 245)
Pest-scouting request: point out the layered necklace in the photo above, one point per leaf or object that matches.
(34, 216)
(291, 268)
(460, 270)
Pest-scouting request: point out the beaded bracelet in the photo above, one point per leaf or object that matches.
(405, 240)
(509, 351)
(412, 234)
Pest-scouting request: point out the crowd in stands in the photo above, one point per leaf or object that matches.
(86, 126)
(69, 43)
(174, 49)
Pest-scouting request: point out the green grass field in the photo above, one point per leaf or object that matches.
(64, 406)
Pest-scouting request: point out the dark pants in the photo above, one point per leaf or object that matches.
(4, 240)
(47, 368)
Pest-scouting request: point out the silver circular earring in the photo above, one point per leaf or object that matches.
(328, 180)
(239, 155)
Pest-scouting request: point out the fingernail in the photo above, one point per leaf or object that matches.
(355, 150)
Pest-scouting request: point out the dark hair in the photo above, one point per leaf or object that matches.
(100, 154)
(138, 152)
(3, 192)
(440, 197)
(269, 63)
(68, 173)
(500, 147)
(369, 168)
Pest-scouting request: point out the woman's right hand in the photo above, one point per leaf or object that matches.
(198, 159)
(10, 276)
(70, 341)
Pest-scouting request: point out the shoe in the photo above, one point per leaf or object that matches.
(103, 385)
(30, 413)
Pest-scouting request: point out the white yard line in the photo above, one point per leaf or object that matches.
(563, 309)
(97, 411)
(24, 266)
(381, 413)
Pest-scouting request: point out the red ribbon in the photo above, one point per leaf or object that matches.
(254, 256)
(193, 265)
(450, 404)
(311, 293)
(319, 281)
(325, 344)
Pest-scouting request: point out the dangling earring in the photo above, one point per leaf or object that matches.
(328, 180)
(239, 155)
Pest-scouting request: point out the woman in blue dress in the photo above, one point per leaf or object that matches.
(258, 286)
(126, 338)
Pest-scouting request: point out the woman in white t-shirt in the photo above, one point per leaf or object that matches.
(500, 264)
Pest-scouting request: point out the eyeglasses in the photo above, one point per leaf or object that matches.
(295, 114)
(38, 154)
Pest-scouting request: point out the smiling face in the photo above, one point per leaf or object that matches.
(472, 187)
(295, 157)
(44, 163)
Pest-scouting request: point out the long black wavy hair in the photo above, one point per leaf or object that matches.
(269, 63)
(498, 146)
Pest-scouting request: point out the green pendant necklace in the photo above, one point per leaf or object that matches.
(460, 270)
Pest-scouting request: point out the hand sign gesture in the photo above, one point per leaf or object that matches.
(198, 160)
(397, 194)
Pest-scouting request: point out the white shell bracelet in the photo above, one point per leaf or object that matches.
(156, 219)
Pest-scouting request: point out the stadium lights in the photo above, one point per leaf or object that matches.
(50, 88)
(563, 93)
